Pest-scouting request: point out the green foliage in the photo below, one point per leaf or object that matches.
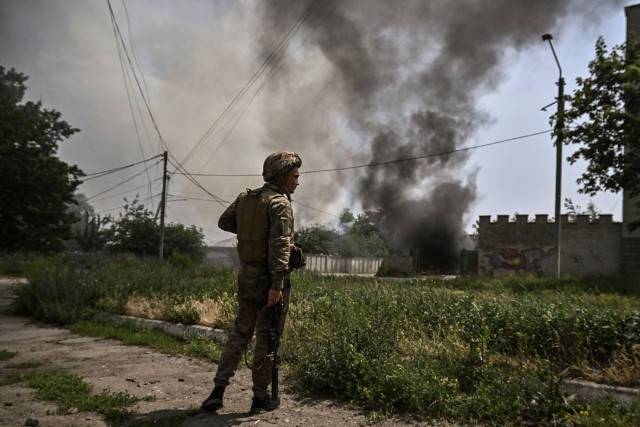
(317, 239)
(21, 264)
(89, 232)
(574, 210)
(60, 294)
(70, 391)
(30, 364)
(72, 289)
(6, 355)
(388, 271)
(603, 120)
(471, 349)
(197, 346)
(36, 186)
(361, 237)
(182, 241)
(12, 378)
(186, 315)
(135, 231)
(477, 354)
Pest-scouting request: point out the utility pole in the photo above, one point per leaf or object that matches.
(559, 142)
(163, 202)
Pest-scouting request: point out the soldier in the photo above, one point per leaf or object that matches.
(263, 221)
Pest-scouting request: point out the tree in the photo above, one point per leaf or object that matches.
(360, 238)
(135, 231)
(603, 120)
(317, 239)
(574, 210)
(35, 185)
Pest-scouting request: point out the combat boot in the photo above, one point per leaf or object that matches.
(263, 404)
(214, 401)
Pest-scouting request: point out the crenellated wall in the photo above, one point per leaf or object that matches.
(528, 245)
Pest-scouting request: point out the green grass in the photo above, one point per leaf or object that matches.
(10, 379)
(30, 364)
(6, 355)
(471, 349)
(69, 391)
(155, 338)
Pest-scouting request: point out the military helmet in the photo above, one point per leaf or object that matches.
(278, 163)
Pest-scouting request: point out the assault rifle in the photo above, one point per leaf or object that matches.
(273, 343)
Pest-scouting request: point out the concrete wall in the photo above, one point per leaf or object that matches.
(529, 245)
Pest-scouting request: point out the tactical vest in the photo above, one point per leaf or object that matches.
(253, 224)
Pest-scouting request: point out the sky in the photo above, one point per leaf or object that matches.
(220, 84)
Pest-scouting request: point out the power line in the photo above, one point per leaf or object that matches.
(121, 193)
(408, 159)
(315, 209)
(194, 181)
(270, 62)
(124, 206)
(95, 175)
(272, 72)
(133, 49)
(120, 40)
(122, 182)
(121, 47)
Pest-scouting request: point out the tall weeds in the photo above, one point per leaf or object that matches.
(473, 349)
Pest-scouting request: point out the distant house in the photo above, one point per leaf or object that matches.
(222, 253)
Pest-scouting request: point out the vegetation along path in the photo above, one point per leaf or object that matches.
(169, 387)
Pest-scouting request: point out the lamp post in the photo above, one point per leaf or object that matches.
(559, 142)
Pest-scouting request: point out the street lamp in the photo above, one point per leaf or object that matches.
(559, 142)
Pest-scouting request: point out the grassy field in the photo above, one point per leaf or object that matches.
(468, 349)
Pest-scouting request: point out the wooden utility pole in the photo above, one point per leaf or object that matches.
(163, 203)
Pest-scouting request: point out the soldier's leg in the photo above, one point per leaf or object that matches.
(242, 332)
(261, 372)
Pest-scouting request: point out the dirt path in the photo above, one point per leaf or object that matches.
(179, 383)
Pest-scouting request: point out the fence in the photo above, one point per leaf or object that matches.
(228, 256)
(336, 264)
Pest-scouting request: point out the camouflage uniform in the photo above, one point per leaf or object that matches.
(264, 243)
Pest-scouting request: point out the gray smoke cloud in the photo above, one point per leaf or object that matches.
(362, 81)
(408, 76)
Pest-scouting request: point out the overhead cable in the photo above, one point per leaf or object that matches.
(444, 153)
(123, 192)
(122, 182)
(407, 159)
(95, 175)
(270, 62)
(221, 201)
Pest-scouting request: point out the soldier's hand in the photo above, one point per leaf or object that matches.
(275, 295)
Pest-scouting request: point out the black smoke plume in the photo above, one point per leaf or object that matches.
(409, 74)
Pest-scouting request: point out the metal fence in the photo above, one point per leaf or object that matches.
(336, 264)
(228, 256)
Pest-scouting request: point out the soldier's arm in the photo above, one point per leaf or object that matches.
(227, 220)
(280, 233)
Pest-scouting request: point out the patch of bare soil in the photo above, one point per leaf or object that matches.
(179, 383)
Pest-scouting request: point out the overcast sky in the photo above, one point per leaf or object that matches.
(356, 82)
